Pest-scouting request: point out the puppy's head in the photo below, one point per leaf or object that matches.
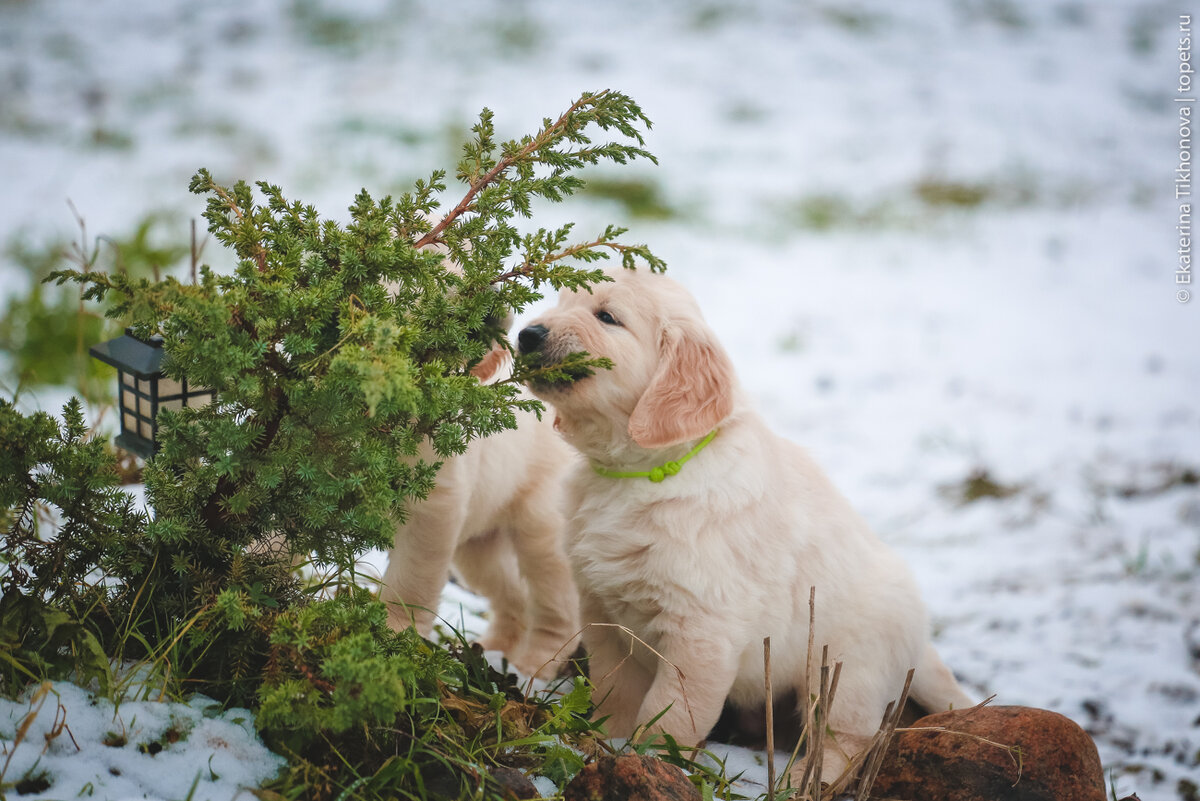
(671, 381)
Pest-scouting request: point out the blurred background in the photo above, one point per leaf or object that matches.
(938, 239)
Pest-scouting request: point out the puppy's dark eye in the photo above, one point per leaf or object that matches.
(606, 318)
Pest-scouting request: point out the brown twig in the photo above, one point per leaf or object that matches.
(464, 205)
(59, 725)
(260, 254)
(194, 252)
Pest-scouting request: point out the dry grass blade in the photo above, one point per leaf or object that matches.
(39, 698)
(633, 638)
(815, 724)
(770, 718)
(873, 756)
(861, 771)
(815, 713)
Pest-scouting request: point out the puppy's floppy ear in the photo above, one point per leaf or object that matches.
(490, 364)
(691, 392)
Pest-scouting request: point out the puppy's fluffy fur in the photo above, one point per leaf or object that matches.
(496, 516)
(704, 565)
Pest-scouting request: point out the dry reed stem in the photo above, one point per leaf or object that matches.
(632, 638)
(811, 783)
(862, 769)
(872, 759)
(809, 708)
(770, 719)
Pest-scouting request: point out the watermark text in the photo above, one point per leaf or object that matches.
(1185, 100)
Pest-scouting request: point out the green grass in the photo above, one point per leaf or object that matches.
(956, 194)
(639, 197)
(926, 201)
(979, 485)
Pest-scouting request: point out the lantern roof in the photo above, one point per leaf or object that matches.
(131, 355)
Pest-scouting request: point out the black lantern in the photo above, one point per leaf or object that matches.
(144, 390)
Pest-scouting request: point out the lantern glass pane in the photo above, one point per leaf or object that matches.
(129, 422)
(146, 430)
(200, 398)
(169, 388)
(174, 404)
(144, 386)
(127, 379)
(144, 407)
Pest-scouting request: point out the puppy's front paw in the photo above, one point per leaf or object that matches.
(539, 663)
(546, 652)
(499, 641)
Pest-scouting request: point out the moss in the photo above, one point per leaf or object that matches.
(980, 484)
(952, 193)
(639, 197)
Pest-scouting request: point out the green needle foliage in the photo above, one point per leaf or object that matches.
(335, 351)
(48, 584)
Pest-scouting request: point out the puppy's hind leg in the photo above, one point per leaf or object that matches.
(488, 565)
(934, 687)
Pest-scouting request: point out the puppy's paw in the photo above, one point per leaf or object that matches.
(545, 653)
(502, 637)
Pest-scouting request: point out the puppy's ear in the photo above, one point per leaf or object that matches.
(691, 392)
(489, 364)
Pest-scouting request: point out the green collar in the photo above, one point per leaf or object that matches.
(659, 473)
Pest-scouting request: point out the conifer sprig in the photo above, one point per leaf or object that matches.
(480, 169)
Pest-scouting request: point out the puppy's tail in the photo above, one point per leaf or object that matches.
(934, 687)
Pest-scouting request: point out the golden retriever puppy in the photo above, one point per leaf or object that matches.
(496, 517)
(700, 531)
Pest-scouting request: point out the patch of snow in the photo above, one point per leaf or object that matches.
(82, 745)
(545, 787)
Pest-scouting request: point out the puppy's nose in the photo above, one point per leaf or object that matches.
(532, 338)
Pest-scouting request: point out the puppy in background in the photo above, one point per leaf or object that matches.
(496, 517)
(696, 528)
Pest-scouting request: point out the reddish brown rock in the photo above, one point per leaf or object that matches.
(630, 778)
(945, 758)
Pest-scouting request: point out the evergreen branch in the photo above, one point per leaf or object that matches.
(538, 149)
(529, 368)
(587, 251)
(203, 182)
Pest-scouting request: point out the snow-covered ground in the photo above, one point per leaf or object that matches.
(73, 744)
(938, 238)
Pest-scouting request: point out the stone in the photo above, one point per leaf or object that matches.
(629, 777)
(944, 757)
(513, 783)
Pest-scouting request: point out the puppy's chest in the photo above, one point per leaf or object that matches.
(636, 571)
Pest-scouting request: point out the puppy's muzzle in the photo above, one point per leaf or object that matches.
(532, 339)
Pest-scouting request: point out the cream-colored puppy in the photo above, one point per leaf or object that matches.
(496, 517)
(703, 547)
